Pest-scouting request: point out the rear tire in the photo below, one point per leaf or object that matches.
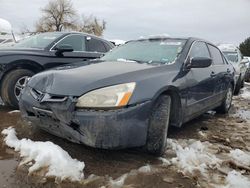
(242, 83)
(238, 87)
(158, 126)
(9, 91)
(227, 101)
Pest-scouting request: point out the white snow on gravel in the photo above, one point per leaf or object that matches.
(193, 158)
(145, 169)
(244, 114)
(119, 182)
(14, 111)
(240, 156)
(234, 179)
(45, 155)
(246, 93)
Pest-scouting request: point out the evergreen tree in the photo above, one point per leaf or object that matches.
(245, 47)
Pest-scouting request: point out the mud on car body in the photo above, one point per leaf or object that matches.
(132, 95)
(41, 52)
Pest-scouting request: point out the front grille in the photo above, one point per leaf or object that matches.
(38, 95)
(45, 97)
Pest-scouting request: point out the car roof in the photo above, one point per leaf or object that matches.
(191, 39)
(64, 33)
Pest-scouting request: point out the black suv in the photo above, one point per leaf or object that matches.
(41, 52)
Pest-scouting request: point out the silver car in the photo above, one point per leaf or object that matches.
(233, 55)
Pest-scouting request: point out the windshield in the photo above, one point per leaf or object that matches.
(231, 56)
(39, 41)
(164, 51)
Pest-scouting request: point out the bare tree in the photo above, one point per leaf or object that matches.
(92, 25)
(58, 15)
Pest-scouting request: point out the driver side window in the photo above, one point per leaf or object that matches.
(199, 49)
(76, 41)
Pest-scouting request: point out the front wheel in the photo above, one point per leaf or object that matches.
(13, 84)
(158, 126)
(227, 101)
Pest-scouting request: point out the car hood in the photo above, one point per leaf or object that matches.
(19, 51)
(77, 80)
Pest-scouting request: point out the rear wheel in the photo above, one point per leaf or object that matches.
(227, 101)
(158, 126)
(13, 84)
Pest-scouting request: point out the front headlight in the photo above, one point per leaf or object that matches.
(112, 96)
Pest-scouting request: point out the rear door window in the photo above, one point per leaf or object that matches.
(95, 45)
(76, 41)
(216, 55)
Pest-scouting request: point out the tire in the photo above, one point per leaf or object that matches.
(237, 87)
(8, 92)
(227, 101)
(242, 83)
(158, 126)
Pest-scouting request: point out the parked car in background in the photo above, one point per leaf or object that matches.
(6, 34)
(6, 39)
(234, 55)
(132, 95)
(247, 77)
(43, 51)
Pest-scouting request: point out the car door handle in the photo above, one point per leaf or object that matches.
(228, 71)
(212, 74)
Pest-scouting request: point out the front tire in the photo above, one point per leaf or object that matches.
(12, 85)
(227, 101)
(158, 126)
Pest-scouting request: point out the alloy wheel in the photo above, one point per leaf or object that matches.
(229, 98)
(19, 86)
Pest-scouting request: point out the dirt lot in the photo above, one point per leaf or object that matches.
(220, 134)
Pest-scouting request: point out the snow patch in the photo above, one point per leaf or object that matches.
(240, 156)
(14, 111)
(234, 179)
(244, 114)
(119, 182)
(45, 155)
(145, 169)
(164, 161)
(193, 158)
(246, 93)
(118, 42)
(126, 60)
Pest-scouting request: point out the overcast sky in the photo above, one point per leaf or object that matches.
(214, 20)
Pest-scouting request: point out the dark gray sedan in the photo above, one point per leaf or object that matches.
(132, 95)
(41, 52)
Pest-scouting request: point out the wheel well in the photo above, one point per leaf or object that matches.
(29, 65)
(176, 108)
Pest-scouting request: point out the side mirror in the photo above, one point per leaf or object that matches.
(199, 62)
(63, 48)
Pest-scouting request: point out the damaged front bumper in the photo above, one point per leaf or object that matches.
(107, 129)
